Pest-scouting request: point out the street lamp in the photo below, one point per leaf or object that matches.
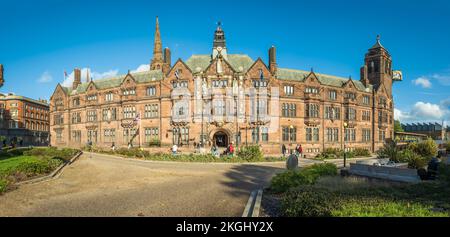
(345, 153)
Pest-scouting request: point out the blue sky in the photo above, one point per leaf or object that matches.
(39, 40)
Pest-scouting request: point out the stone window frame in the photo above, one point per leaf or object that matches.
(150, 90)
(312, 110)
(312, 134)
(288, 89)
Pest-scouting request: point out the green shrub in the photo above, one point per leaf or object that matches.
(307, 176)
(361, 152)
(323, 169)
(3, 185)
(416, 161)
(52, 152)
(307, 201)
(155, 142)
(250, 153)
(289, 179)
(427, 149)
(390, 150)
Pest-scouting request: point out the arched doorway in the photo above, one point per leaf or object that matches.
(220, 138)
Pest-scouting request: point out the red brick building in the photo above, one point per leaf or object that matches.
(23, 120)
(312, 109)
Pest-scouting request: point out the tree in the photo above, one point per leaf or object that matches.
(398, 126)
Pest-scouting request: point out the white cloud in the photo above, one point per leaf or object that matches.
(45, 77)
(423, 82)
(142, 68)
(94, 75)
(400, 115)
(427, 111)
(444, 79)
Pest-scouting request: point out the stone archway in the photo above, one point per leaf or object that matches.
(220, 137)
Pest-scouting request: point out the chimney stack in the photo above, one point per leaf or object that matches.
(88, 76)
(167, 56)
(76, 78)
(272, 60)
(2, 80)
(364, 75)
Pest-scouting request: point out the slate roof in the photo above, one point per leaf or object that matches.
(112, 82)
(239, 62)
(329, 80)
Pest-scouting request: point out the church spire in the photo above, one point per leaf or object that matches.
(157, 61)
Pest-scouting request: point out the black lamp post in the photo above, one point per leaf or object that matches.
(345, 152)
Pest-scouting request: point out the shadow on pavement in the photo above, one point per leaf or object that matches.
(245, 178)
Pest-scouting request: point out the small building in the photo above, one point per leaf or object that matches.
(404, 138)
(434, 130)
(23, 121)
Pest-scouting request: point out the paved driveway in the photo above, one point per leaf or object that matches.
(102, 185)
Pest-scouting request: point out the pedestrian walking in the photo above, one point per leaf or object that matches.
(300, 151)
(174, 149)
(283, 150)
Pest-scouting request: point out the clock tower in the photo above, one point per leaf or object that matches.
(219, 45)
(377, 69)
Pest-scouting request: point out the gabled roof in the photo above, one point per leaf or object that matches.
(329, 80)
(140, 77)
(239, 62)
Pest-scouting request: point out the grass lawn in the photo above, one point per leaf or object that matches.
(361, 197)
(22, 164)
(28, 165)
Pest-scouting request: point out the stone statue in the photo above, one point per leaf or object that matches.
(292, 162)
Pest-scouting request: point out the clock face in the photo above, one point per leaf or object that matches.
(397, 75)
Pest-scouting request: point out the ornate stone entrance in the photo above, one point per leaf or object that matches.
(221, 139)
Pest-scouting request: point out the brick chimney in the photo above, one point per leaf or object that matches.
(364, 76)
(167, 60)
(272, 60)
(76, 78)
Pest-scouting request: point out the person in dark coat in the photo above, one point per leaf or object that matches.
(283, 150)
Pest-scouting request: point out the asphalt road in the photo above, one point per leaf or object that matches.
(102, 185)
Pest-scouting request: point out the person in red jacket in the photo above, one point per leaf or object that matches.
(231, 149)
(300, 150)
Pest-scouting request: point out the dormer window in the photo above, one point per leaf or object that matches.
(288, 90)
(311, 90)
(129, 91)
(259, 83)
(91, 97)
(366, 100)
(151, 91)
(332, 95)
(220, 83)
(179, 84)
(109, 96)
(350, 95)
